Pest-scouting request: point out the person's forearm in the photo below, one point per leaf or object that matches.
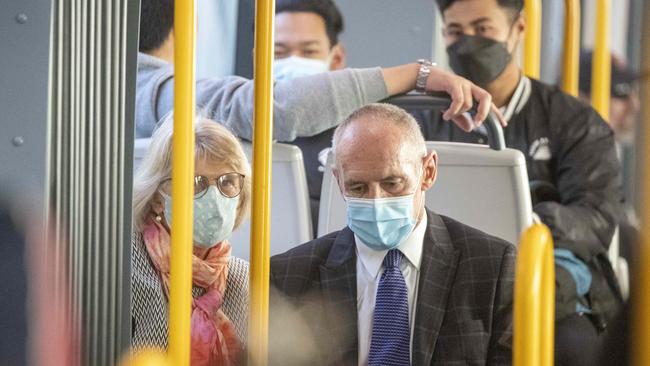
(400, 79)
(303, 106)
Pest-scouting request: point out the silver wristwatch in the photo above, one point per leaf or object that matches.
(423, 75)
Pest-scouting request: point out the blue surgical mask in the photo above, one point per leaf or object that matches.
(294, 66)
(381, 223)
(214, 217)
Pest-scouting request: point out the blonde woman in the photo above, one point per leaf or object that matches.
(220, 282)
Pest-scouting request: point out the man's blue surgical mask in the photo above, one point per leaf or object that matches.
(381, 223)
(294, 66)
(214, 217)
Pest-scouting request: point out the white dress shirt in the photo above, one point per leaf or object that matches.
(369, 270)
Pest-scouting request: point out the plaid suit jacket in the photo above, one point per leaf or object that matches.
(464, 300)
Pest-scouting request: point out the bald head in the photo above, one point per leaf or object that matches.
(379, 130)
(380, 153)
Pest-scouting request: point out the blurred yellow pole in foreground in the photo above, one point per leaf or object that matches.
(534, 299)
(258, 328)
(180, 289)
(640, 338)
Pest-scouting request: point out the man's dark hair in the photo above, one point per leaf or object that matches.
(515, 6)
(156, 23)
(326, 9)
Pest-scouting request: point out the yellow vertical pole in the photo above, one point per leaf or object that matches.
(640, 339)
(182, 184)
(601, 72)
(261, 211)
(534, 299)
(533, 41)
(571, 57)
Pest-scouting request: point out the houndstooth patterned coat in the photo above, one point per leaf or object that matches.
(149, 307)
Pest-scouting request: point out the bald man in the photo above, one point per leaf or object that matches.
(399, 285)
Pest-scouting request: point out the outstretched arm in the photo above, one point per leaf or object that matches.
(309, 105)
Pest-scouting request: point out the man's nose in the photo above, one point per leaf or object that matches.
(468, 32)
(375, 191)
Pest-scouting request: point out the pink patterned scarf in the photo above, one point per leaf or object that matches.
(214, 340)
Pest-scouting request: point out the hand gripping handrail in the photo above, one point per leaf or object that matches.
(496, 140)
(534, 299)
(571, 56)
(180, 292)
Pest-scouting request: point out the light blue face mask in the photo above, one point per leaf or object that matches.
(214, 217)
(294, 66)
(381, 223)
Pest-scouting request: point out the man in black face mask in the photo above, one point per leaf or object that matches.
(571, 159)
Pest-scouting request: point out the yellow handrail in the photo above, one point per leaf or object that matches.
(534, 299)
(571, 57)
(180, 289)
(261, 210)
(601, 72)
(640, 339)
(533, 41)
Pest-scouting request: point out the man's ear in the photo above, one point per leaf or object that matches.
(430, 165)
(520, 26)
(337, 57)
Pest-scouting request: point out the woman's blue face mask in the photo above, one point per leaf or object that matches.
(214, 217)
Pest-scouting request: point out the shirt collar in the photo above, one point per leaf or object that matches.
(518, 100)
(411, 248)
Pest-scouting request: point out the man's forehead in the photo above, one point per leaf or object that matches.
(368, 136)
(371, 160)
(299, 25)
(466, 12)
(370, 168)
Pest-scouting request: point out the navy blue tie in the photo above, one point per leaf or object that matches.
(391, 338)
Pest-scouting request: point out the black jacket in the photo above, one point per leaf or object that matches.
(573, 167)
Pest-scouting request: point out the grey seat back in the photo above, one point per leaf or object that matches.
(290, 212)
(481, 187)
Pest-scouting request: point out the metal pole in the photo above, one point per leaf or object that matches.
(533, 41)
(601, 72)
(571, 56)
(261, 210)
(180, 296)
(534, 299)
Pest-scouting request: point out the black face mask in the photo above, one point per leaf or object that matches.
(479, 59)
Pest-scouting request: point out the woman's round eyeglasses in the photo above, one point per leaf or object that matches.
(229, 184)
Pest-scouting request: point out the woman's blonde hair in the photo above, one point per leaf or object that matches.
(213, 142)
